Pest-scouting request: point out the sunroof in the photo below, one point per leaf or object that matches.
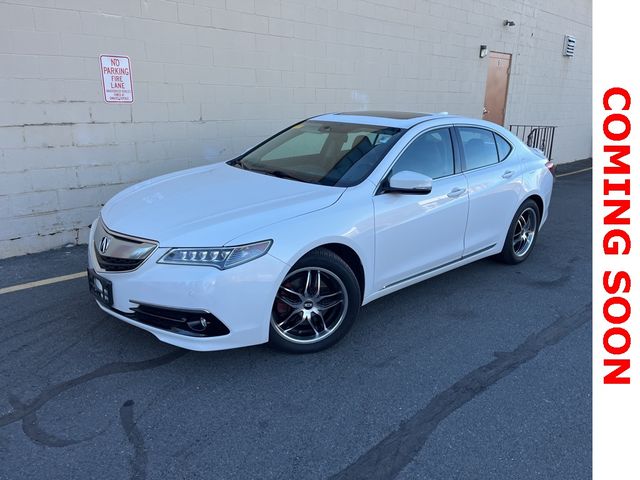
(381, 113)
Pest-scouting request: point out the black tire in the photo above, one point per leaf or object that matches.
(510, 253)
(332, 272)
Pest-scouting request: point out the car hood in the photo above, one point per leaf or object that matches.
(210, 206)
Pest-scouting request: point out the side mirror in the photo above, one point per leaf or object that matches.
(408, 182)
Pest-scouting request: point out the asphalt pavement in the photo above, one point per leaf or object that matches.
(481, 373)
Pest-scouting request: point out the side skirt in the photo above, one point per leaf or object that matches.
(432, 272)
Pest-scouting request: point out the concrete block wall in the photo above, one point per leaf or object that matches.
(212, 77)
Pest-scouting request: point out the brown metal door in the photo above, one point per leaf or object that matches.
(495, 96)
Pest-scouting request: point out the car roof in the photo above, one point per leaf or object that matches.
(406, 120)
(382, 118)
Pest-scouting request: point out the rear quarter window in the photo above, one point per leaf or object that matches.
(504, 147)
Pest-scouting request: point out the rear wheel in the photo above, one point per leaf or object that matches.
(522, 234)
(316, 304)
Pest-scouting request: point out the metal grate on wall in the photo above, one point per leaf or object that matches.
(569, 46)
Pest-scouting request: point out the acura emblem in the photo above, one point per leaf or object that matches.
(104, 245)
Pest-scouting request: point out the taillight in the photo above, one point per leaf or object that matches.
(551, 167)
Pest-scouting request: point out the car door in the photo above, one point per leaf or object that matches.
(415, 233)
(493, 174)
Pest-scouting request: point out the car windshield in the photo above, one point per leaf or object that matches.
(325, 153)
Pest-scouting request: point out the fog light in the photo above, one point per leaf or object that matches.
(198, 325)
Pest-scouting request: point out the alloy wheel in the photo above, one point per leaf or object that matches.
(525, 232)
(310, 305)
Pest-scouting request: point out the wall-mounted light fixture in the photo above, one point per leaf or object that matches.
(509, 23)
(483, 51)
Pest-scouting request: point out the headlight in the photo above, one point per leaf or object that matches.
(221, 258)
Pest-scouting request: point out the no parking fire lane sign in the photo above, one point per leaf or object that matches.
(117, 84)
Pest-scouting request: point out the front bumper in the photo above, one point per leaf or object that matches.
(241, 297)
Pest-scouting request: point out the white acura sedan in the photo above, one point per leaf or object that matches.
(286, 242)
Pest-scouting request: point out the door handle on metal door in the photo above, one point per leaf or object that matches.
(508, 174)
(456, 192)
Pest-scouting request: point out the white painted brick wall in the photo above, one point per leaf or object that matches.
(211, 77)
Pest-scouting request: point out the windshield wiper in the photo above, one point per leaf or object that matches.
(238, 162)
(281, 174)
(276, 173)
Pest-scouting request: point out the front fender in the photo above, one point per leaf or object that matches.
(348, 222)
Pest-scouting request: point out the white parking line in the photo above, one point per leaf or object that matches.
(573, 173)
(39, 283)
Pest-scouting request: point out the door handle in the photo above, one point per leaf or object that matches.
(456, 192)
(508, 174)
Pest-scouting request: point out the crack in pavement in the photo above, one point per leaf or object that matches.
(139, 459)
(392, 454)
(23, 410)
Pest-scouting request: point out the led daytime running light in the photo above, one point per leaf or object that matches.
(221, 258)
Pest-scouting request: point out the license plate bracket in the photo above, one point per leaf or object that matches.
(100, 288)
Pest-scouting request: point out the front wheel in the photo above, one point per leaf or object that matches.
(316, 304)
(522, 234)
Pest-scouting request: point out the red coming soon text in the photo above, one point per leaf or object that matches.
(617, 240)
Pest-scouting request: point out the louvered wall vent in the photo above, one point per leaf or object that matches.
(569, 46)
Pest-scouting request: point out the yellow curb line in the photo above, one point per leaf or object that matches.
(40, 283)
(573, 173)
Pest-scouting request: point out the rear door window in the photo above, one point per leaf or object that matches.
(479, 147)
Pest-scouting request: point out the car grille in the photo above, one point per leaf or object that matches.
(112, 264)
(120, 253)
